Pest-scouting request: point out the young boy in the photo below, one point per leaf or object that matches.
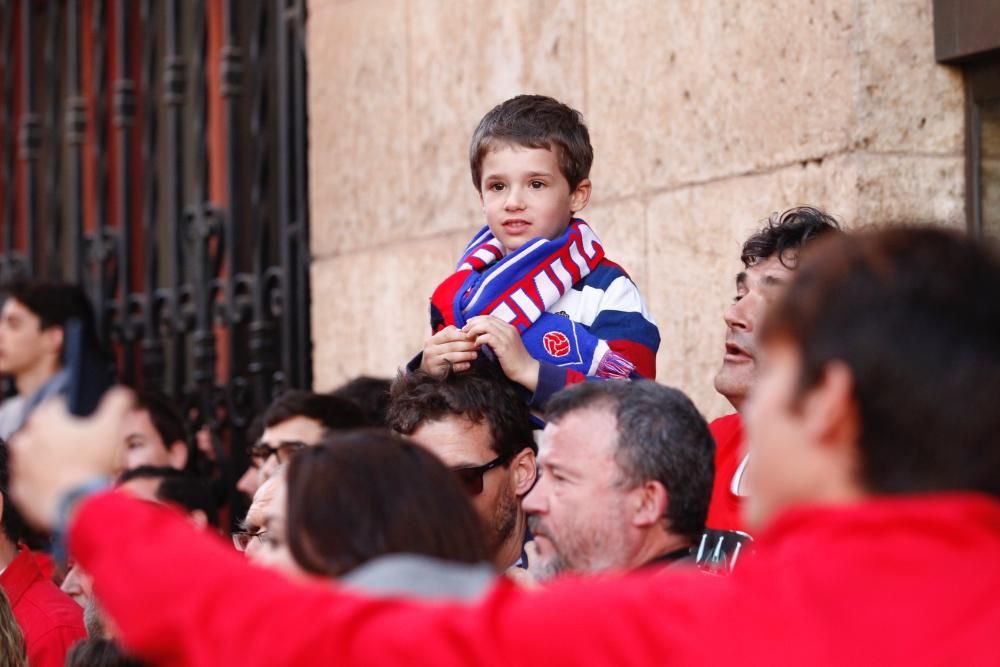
(533, 287)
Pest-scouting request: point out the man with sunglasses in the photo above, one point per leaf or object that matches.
(294, 420)
(478, 425)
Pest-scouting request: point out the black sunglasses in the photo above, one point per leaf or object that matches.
(472, 478)
(261, 451)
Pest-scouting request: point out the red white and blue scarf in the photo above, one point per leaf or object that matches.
(521, 286)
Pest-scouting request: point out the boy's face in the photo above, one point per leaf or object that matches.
(526, 196)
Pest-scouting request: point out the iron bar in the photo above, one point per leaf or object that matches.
(152, 352)
(76, 131)
(29, 140)
(7, 164)
(54, 175)
(123, 105)
(102, 239)
(174, 93)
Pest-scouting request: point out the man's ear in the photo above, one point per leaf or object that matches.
(525, 471)
(580, 196)
(830, 409)
(177, 454)
(52, 339)
(650, 504)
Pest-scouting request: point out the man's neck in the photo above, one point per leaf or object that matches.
(31, 380)
(8, 552)
(510, 550)
(658, 543)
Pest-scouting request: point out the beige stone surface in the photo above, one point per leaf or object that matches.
(695, 235)
(359, 180)
(465, 58)
(677, 95)
(705, 118)
(370, 309)
(911, 189)
(906, 102)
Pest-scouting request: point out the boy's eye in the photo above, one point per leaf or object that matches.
(537, 185)
(496, 187)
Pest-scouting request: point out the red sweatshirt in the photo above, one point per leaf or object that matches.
(886, 582)
(724, 509)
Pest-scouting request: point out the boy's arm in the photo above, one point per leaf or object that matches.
(623, 336)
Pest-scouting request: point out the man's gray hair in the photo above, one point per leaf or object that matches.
(661, 437)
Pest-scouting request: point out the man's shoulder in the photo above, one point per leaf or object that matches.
(46, 614)
(727, 427)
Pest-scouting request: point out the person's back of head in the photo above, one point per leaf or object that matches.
(535, 121)
(480, 395)
(370, 394)
(363, 494)
(661, 437)
(13, 652)
(912, 315)
(331, 412)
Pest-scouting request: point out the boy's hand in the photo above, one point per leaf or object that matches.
(450, 347)
(505, 341)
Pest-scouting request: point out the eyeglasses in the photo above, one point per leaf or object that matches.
(472, 478)
(242, 538)
(262, 451)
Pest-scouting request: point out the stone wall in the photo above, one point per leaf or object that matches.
(705, 117)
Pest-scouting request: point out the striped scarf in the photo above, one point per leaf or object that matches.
(520, 287)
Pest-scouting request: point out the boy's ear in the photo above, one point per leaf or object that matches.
(580, 196)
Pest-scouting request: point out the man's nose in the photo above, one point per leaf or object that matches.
(536, 502)
(735, 316)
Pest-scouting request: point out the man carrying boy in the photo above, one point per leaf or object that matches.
(534, 286)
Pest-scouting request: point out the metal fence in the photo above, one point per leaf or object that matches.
(154, 151)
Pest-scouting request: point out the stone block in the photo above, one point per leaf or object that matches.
(678, 96)
(906, 102)
(358, 173)
(694, 239)
(911, 189)
(621, 226)
(465, 58)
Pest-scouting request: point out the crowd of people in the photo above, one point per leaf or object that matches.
(524, 491)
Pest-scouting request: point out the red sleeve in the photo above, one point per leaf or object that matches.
(182, 597)
(50, 649)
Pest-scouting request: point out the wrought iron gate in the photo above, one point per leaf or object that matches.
(155, 152)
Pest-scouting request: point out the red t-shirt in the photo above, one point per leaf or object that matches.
(50, 620)
(724, 509)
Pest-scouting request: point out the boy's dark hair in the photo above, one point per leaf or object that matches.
(785, 234)
(166, 419)
(368, 493)
(661, 437)
(13, 524)
(332, 412)
(482, 394)
(534, 121)
(370, 394)
(914, 315)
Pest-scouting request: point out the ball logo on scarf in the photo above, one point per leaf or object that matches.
(556, 343)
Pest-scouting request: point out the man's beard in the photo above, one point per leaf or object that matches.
(504, 519)
(556, 564)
